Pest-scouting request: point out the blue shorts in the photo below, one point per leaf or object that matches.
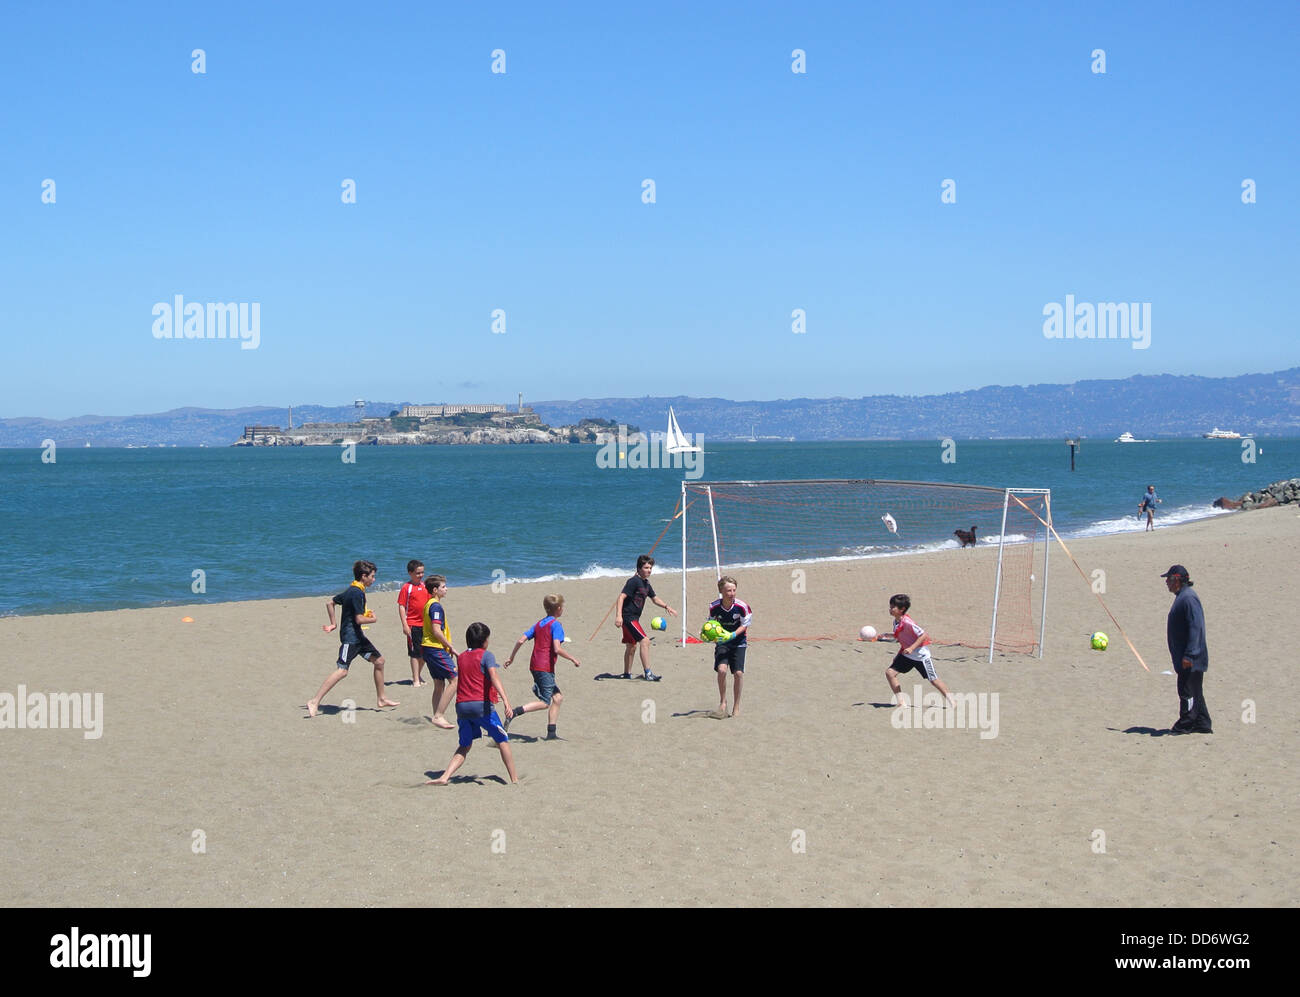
(441, 666)
(470, 721)
(544, 686)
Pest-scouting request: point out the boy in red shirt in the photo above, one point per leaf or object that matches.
(547, 636)
(913, 651)
(478, 689)
(410, 607)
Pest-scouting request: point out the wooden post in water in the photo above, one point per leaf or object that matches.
(1074, 444)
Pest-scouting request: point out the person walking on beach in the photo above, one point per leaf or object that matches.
(547, 635)
(1185, 632)
(1148, 505)
(410, 607)
(352, 642)
(628, 606)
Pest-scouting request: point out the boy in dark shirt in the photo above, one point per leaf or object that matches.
(352, 642)
(735, 617)
(628, 608)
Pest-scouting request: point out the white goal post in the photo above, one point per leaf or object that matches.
(990, 581)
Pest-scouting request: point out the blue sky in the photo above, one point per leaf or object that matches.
(522, 191)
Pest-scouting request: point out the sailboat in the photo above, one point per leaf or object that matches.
(676, 441)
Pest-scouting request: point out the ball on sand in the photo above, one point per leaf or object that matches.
(1099, 641)
(658, 623)
(867, 633)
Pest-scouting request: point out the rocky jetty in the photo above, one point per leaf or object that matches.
(1278, 493)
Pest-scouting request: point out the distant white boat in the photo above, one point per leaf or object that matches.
(676, 441)
(1128, 438)
(1221, 434)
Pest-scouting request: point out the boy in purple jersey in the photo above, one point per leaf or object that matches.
(628, 608)
(735, 617)
(547, 636)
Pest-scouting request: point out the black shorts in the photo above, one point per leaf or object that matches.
(730, 655)
(363, 647)
(413, 643)
(903, 664)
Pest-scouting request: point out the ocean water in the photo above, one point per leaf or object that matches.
(117, 528)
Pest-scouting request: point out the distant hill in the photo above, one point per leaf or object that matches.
(1148, 406)
(185, 427)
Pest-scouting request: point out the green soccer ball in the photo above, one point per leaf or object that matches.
(711, 631)
(1100, 641)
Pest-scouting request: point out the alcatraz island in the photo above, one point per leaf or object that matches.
(420, 425)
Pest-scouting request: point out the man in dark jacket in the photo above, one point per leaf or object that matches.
(1185, 631)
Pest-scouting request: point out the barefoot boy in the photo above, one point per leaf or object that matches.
(439, 655)
(913, 652)
(547, 636)
(410, 607)
(477, 691)
(352, 641)
(628, 607)
(734, 616)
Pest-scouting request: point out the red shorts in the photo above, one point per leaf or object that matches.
(632, 632)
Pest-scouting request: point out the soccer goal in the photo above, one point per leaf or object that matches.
(821, 558)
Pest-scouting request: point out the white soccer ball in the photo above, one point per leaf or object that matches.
(867, 633)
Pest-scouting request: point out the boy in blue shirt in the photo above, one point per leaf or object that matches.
(547, 636)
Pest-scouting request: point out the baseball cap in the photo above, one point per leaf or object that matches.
(1176, 569)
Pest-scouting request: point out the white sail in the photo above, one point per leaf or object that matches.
(676, 441)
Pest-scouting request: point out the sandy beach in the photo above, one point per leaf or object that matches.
(209, 786)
